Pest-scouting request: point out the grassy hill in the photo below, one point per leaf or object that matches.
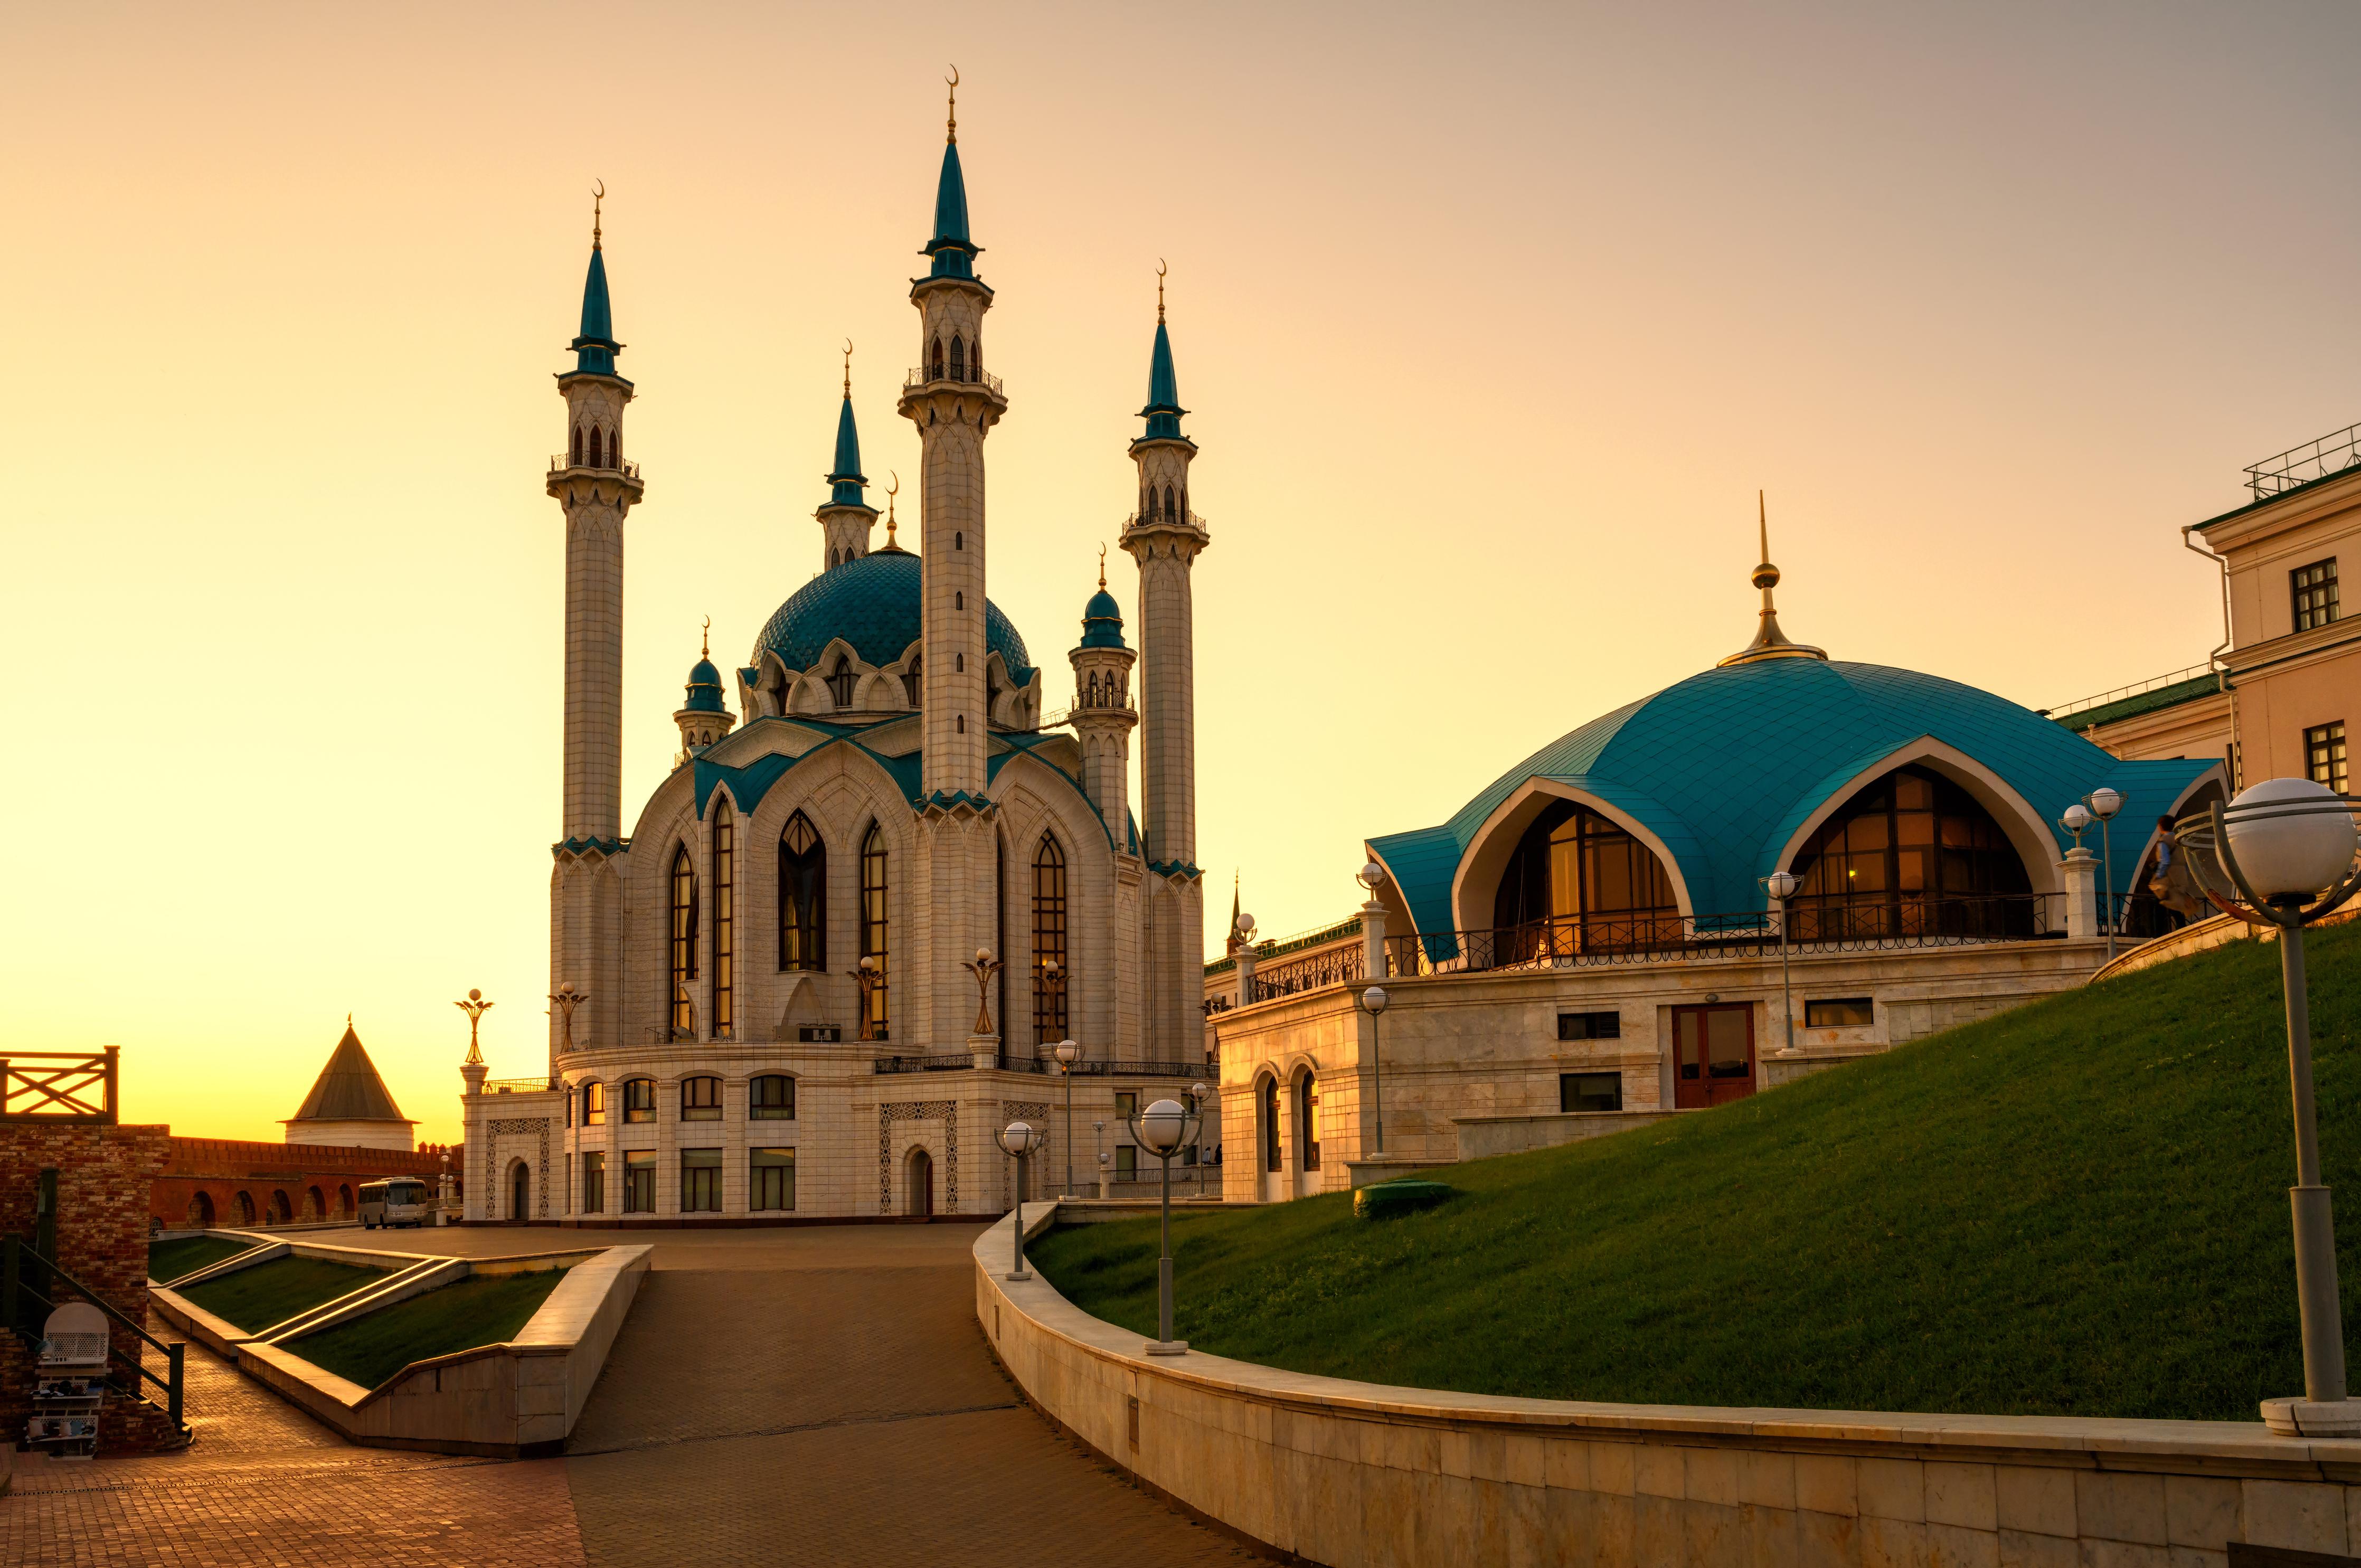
(2077, 1208)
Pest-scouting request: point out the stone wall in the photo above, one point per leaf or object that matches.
(105, 1175)
(203, 1179)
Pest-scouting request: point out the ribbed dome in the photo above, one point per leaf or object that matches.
(871, 601)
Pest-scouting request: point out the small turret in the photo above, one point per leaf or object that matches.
(703, 718)
(845, 519)
(1103, 716)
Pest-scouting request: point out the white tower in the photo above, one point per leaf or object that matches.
(845, 519)
(703, 717)
(1103, 714)
(954, 404)
(597, 489)
(1164, 536)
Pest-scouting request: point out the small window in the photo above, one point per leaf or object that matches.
(770, 1179)
(1590, 1025)
(1590, 1091)
(959, 663)
(959, 599)
(594, 1104)
(1126, 1104)
(958, 723)
(959, 540)
(1126, 1162)
(1843, 1012)
(640, 1181)
(2324, 755)
(772, 1098)
(700, 1099)
(639, 1099)
(700, 1181)
(839, 682)
(2314, 588)
(594, 1183)
(910, 682)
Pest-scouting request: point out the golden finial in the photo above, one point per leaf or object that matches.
(848, 367)
(952, 133)
(597, 199)
(1770, 642)
(1160, 291)
(1102, 564)
(706, 652)
(893, 489)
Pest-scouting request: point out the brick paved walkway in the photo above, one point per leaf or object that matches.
(789, 1397)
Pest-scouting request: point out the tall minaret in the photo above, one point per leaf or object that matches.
(1103, 714)
(954, 404)
(845, 519)
(597, 489)
(1164, 537)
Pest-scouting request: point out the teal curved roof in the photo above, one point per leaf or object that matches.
(704, 689)
(594, 346)
(871, 601)
(1725, 766)
(1102, 622)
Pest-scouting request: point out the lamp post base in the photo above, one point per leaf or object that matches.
(2312, 1417)
(1167, 1348)
(1020, 1274)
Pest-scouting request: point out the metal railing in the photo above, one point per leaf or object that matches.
(559, 462)
(1655, 939)
(59, 1085)
(522, 1085)
(2331, 453)
(1160, 519)
(919, 376)
(19, 1261)
(1312, 971)
(2155, 682)
(1213, 1004)
(964, 1061)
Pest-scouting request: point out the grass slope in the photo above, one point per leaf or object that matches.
(272, 1292)
(168, 1260)
(480, 1310)
(2078, 1207)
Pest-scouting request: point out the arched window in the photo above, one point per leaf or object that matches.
(959, 663)
(959, 540)
(872, 922)
(1150, 507)
(1268, 1112)
(975, 359)
(597, 442)
(684, 940)
(771, 1097)
(911, 680)
(1307, 1120)
(700, 1099)
(839, 682)
(639, 1099)
(594, 1104)
(1170, 514)
(832, 554)
(958, 723)
(959, 358)
(959, 599)
(803, 897)
(725, 911)
(1048, 942)
(615, 447)
(1579, 884)
(935, 362)
(574, 453)
(1910, 855)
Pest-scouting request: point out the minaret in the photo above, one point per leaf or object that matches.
(703, 718)
(1103, 714)
(1164, 536)
(597, 489)
(845, 519)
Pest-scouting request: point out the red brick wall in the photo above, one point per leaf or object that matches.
(104, 1177)
(220, 1169)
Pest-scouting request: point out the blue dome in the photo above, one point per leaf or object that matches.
(1725, 768)
(1103, 622)
(704, 689)
(871, 601)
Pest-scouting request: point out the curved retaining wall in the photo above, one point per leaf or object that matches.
(1360, 1475)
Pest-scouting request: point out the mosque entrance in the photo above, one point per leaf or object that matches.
(921, 1202)
(520, 1191)
(1713, 1055)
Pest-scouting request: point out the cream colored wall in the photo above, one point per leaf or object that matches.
(2290, 681)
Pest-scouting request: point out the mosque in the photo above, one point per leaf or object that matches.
(838, 945)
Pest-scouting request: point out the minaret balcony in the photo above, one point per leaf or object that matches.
(920, 379)
(561, 464)
(1179, 522)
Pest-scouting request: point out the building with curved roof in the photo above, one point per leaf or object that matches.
(879, 881)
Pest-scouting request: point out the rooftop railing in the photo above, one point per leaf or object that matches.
(559, 462)
(522, 1085)
(59, 1085)
(920, 376)
(2331, 453)
(2156, 682)
(964, 1061)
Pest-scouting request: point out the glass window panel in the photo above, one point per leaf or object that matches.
(1839, 1013)
(1688, 1044)
(1910, 870)
(771, 1178)
(1865, 833)
(1912, 793)
(1914, 828)
(1726, 1042)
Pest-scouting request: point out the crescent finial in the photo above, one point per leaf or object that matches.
(597, 199)
(848, 367)
(707, 653)
(1160, 291)
(952, 132)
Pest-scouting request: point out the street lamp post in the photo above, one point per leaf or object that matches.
(1783, 886)
(1017, 1140)
(2287, 846)
(1163, 1129)
(1067, 1051)
(1374, 999)
(2104, 803)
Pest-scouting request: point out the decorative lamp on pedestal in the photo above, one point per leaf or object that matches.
(1164, 1129)
(1068, 1053)
(2285, 848)
(1374, 999)
(2104, 803)
(1017, 1140)
(1783, 886)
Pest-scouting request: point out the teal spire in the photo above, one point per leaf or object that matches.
(594, 346)
(953, 252)
(847, 475)
(1163, 410)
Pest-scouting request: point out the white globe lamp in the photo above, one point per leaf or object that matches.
(2291, 837)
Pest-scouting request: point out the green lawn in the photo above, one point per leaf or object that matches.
(479, 1309)
(272, 1292)
(2078, 1207)
(170, 1259)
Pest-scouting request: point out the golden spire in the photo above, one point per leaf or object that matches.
(597, 199)
(1770, 642)
(951, 134)
(1101, 564)
(1160, 291)
(892, 489)
(706, 652)
(848, 368)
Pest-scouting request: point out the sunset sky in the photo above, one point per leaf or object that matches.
(1493, 320)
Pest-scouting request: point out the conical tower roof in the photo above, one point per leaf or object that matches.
(348, 1089)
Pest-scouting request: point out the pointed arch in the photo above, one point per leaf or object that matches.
(1170, 514)
(682, 969)
(725, 911)
(912, 677)
(876, 929)
(803, 897)
(840, 681)
(959, 358)
(574, 451)
(597, 439)
(1049, 1015)
(935, 361)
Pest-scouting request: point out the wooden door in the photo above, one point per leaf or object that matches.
(1713, 1055)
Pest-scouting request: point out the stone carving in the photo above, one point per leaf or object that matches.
(913, 1110)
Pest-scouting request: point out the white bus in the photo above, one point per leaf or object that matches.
(398, 1200)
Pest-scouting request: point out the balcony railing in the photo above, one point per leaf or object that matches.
(1312, 971)
(919, 376)
(522, 1085)
(2301, 464)
(964, 1061)
(59, 1085)
(559, 462)
(1851, 927)
(1160, 519)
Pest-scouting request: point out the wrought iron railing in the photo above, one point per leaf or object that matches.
(559, 462)
(24, 1270)
(522, 1085)
(919, 376)
(1313, 971)
(1653, 938)
(2331, 453)
(1213, 1004)
(59, 1085)
(964, 1061)
(2139, 688)
(1159, 519)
